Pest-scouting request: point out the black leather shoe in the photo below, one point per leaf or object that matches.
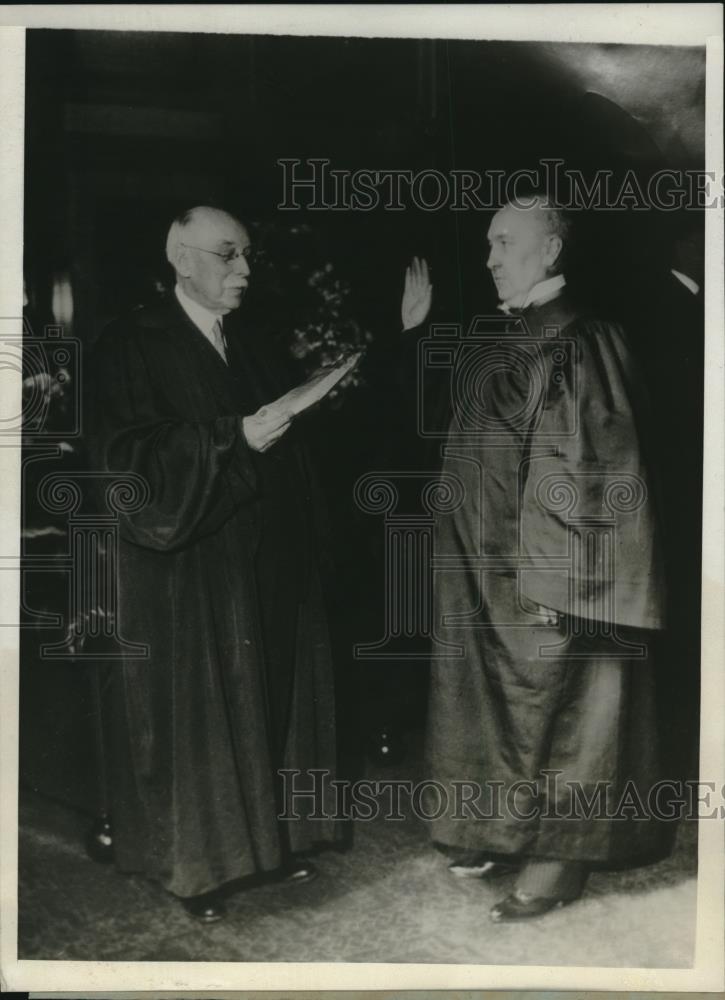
(480, 867)
(523, 906)
(298, 872)
(208, 908)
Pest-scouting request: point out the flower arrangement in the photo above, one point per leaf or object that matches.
(312, 305)
(329, 332)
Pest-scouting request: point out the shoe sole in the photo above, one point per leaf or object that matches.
(521, 917)
(300, 879)
(201, 919)
(482, 872)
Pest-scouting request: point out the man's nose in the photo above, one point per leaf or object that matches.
(241, 265)
(491, 262)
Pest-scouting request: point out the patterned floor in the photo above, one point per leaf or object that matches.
(388, 899)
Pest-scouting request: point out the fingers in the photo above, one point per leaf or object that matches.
(274, 426)
(271, 418)
(266, 426)
(417, 273)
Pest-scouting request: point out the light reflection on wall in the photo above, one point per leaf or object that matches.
(62, 299)
(661, 86)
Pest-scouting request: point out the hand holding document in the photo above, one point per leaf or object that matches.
(315, 388)
(270, 422)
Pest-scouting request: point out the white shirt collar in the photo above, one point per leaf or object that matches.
(542, 292)
(199, 315)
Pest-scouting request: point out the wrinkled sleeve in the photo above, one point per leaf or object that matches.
(589, 478)
(195, 475)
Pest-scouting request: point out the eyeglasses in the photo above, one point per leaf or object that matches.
(229, 257)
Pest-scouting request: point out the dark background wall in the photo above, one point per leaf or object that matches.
(122, 129)
(125, 129)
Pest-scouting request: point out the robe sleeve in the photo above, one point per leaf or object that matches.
(197, 474)
(588, 479)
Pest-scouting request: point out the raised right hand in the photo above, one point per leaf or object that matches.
(417, 294)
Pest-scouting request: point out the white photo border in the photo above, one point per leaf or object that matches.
(657, 23)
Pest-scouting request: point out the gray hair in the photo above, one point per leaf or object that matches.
(556, 220)
(183, 221)
(176, 234)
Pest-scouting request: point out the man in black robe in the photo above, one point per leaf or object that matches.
(549, 587)
(218, 576)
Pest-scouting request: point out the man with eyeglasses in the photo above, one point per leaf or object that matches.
(219, 578)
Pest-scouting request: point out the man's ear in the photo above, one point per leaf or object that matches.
(182, 264)
(554, 246)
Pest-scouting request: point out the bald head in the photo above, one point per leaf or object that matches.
(526, 239)
(208, 248)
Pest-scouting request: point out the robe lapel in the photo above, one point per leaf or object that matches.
(211, 365)
(557, 313)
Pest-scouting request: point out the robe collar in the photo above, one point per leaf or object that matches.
(558, 312)
(170, 312)
(199, 315)
(542, 292)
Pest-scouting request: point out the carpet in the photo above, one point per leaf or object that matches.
(388, 898)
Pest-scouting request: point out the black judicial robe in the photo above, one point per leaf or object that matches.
(561, 417)
(218, 575)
